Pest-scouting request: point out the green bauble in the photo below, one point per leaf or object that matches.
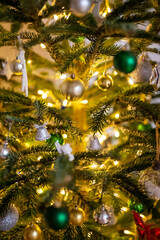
(57, 218)
(125, 61)
(55, 137)
(78, 39)
(137, 207)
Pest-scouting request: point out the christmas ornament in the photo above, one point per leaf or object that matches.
(94, 144)
(96, 11)
(4, 151)
(66, 150)
(72, 88)
(76, 216)
(6, 71)
(125, 61)
(42, 133)
(10, 219)
(143, 71)
(55, 137)
(104, 215)
(137, 207)
(105, 82)
(57, 218)
(32, 232)
(80, 7)
(150, 182)
(155, 77)
(148, 232)
(77, 39)
(16, 66)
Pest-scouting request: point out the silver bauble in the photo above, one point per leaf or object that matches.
(10, 219)
(16, 67)
(94, 144)
(150, 182)
(143, 71)
(104, 215)
(80, 7)
(42, 133)
(105, 82)
(4, 151)
(72, 88)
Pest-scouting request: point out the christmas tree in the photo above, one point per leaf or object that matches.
(80, 113)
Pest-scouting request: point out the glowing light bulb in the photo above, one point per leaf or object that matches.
(116, 163)
(131, 81)
(29, 61)
(65, 102)
(115, 73)
(84, 101)
(40, 92)
(95, 73)
(94, 165)
(104, 14)
(39, 158)
(40, 191)
(117, 115)
(63, 192)
(44, 95)
(102, 166)
(50, 104)
(64, 135)
(128, 232)
(63, 76)
(55, 17)
(108, 9)
(42, 45)
(117, 134)
(124, 209)
(102, 138)
(115, 194)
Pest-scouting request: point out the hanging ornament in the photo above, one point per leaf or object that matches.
(32, 232)
(94, 144)
(4, 151)
(155, 77)
(72, 88)
(16, 66)
(42, 133)
(77, 39)
(10, 219)
(125, 61)
(55, 137)
(143, 71)
(104, 215)
(105, 82)
(65, 150)
(57, 218)
(80, 7)
(148, 232)
(76, 216)
(96, 11)
(137, 207)
(6, 71)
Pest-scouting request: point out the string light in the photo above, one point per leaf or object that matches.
(63, 192)
(50, 104)
(39, 158)
(117, 134)
(55, 17)
(84, 101)
(42, 45)
(117, 115)
(40, 191)
(102, 138)
(115, 194)
(29, 61)
(102, 165)
(124, 209)
(44, 95)
(116, 163)
(40, 92)
(95, 73)
(65, 102)
(94, 165)
(63, 76)
(64, 135)
(115, 73)
(130, 80)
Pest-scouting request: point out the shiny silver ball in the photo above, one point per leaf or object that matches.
(104, 215)
(10, 219)
(80, 7)
(16, 67)
(4, 151)
(72, 89)
(105, 82)
(143, 71)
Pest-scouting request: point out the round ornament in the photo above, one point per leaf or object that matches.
(57, 218)
(32, 232)
(105, 82)
(78, 39)
(104, 215)
(10, 219)
(150, 182)
(72, 88)
(125, 61)
(76, 216)
(137, 207)
(55, 137)
(16, 67)
(80, 7)
(143, 71)
(4, 151)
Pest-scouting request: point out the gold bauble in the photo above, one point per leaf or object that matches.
(72, 88)
(32, 232)
(105, 82)
(76, 216)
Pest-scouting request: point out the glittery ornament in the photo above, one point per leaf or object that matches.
(94, 144)
(42, 133)
(155, 77)
(55, 137)
(150, 182)
(105, 82)
(72, 88)
(76, 216)
(80, 7)
(32, 232)
(125, 61)
(137, 207)
(10, 219)
(104, 215)
(57, 217)
(16, 67)
(143, 71)
(4, 151)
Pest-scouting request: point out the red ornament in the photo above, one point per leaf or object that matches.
(146, 232)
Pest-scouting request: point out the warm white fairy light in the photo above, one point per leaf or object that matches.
(44, 95)
(39, 158)
(117, 134)
(117, 115)
(64, 135)
(50, 104)
(29, 61)
(40, 92)
(95, 73)
(63, 192)
(102, 138)
(102, 165)
(65, 102)
(116, 163)
(128, 232)
(40, 191)
(94, 165)
(130, 80)
(115, 73)
(124, 209)
(63, 76)
(55, 17)
(115, 194)
(42, 45)
(84, 101)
